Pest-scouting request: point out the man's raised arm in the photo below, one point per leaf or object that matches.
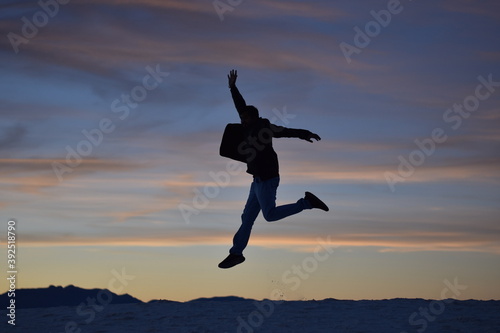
(238, 100)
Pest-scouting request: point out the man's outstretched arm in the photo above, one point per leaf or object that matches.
(284, 132)
(238, 100)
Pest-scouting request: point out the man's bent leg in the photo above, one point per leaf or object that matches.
(266, 194)
(250, 213)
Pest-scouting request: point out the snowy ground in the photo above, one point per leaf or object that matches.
(244, 316)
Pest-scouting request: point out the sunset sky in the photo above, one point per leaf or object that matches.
(112, 114)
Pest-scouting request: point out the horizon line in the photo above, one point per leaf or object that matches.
(221, 298)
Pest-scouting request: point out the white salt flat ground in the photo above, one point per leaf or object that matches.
(238, 315)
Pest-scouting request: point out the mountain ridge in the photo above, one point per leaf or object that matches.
(70, 295)
(56, 296)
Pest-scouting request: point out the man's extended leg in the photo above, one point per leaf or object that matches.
(266, 194)
(240, 239)
(250, 213)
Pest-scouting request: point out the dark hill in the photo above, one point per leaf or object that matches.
(63, 296)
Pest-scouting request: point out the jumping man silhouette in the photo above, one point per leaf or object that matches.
(256, 150)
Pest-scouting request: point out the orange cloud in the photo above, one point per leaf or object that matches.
(31, 175)
(397, 241)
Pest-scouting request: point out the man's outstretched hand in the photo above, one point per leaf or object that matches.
(311, 136)
(233, 74)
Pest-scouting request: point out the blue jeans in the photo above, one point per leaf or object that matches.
(262, 196)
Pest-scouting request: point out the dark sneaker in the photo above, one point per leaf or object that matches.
(232, 260)
(316, 202)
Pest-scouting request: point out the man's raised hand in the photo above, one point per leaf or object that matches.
(233, 74)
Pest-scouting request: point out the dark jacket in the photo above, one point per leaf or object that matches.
(257, 145)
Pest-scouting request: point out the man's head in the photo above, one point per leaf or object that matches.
(249, 116)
